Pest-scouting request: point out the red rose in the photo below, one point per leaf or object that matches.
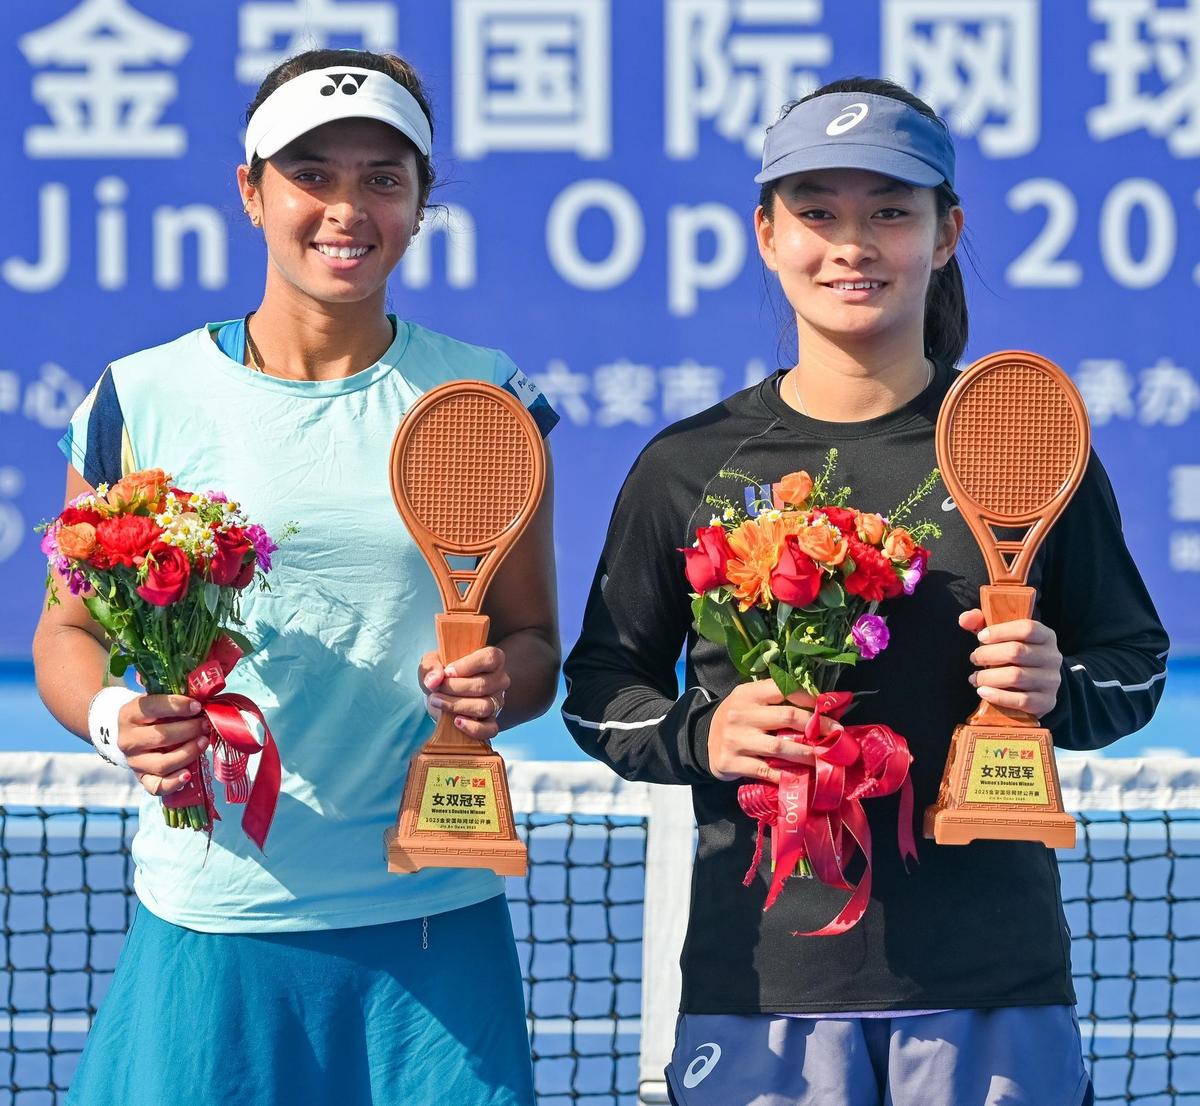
(72, 516)
(124, 540)
(796, 579)
(874, 576)
(168, 575)
(842, 517)
(232, 549)
(705, 567)
(244, 576)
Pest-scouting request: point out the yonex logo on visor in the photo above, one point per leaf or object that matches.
(348, 83)
(848, 120)
(326, 95)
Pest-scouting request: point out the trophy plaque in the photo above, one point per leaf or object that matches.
(1012, 445)
(467, 470)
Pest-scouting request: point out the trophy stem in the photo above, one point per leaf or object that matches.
(458, 635)
(1004, 603)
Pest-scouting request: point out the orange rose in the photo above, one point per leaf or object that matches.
(794, 488)
(870, 528)
(139, 489)
(76, 541)
(898, 545)
(822, 543)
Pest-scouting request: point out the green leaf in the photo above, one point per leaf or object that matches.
(842, 658)
(212, 596)
(754, 624)
(118, 662)
(756, 659)
(737, 647)
(712, 619)
(810, 649)
(783, 612)
(784, 680)
(244, 644)
(103, 614)
(831, 595)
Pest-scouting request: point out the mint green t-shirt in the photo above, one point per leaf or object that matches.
(338, 637)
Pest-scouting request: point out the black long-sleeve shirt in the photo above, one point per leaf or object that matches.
(972, 926)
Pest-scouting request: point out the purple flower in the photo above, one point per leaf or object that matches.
(910, 577)
(263, 546)
(49, 543)
(870, 634)
(217, 497)
(76, 581)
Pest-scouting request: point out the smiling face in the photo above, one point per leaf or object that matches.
(338, 208)
(854, 251)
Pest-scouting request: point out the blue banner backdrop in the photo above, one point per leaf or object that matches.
(596, 223)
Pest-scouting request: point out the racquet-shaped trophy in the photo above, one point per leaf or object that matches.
(468, 469)
(1012, 445)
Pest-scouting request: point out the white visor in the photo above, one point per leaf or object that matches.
(323, 95)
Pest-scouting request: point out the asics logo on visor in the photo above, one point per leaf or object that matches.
(347, 83)
(848, 120)
(698, 1070)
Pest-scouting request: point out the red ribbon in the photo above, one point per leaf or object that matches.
(233, 748)
(816, 806)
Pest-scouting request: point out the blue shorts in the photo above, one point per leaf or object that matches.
(1009, 1056)
(348, 1016)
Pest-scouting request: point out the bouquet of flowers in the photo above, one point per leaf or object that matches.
(791, 588)
(162, 570)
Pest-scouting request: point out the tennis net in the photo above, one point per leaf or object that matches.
(599, 921)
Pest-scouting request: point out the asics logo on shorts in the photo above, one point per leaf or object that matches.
(848, 120)
(698, 1070)
(347, 83)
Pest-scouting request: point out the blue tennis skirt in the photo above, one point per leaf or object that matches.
(341, 1016)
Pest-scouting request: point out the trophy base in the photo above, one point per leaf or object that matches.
(456, 813)
(409, 854)
(1000, 784)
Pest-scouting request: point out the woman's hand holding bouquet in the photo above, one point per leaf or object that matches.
(162, 571)
(791, 589)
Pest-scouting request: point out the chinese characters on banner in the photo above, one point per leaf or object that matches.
(596, 216)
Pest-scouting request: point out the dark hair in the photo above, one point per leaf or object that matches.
(945, 299)
(395, 67)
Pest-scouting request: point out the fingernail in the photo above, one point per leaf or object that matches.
(437, 702)
(187, 777)
(985, 635)
(193, 707)
(451, 671)
(971, 679)
(203, 744)
(431, 679)
(460, 722)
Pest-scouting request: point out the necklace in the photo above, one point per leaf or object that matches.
(796, 387)
(256, 361)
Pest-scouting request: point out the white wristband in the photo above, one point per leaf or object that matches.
(102, 722)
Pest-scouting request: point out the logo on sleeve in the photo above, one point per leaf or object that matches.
(523, 388)
(701, 1067)
(848, 120)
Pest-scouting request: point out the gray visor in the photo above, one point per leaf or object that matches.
(855, 130)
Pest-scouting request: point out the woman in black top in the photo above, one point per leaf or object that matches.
(965, 962)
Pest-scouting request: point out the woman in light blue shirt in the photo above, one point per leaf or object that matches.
(309, 974)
